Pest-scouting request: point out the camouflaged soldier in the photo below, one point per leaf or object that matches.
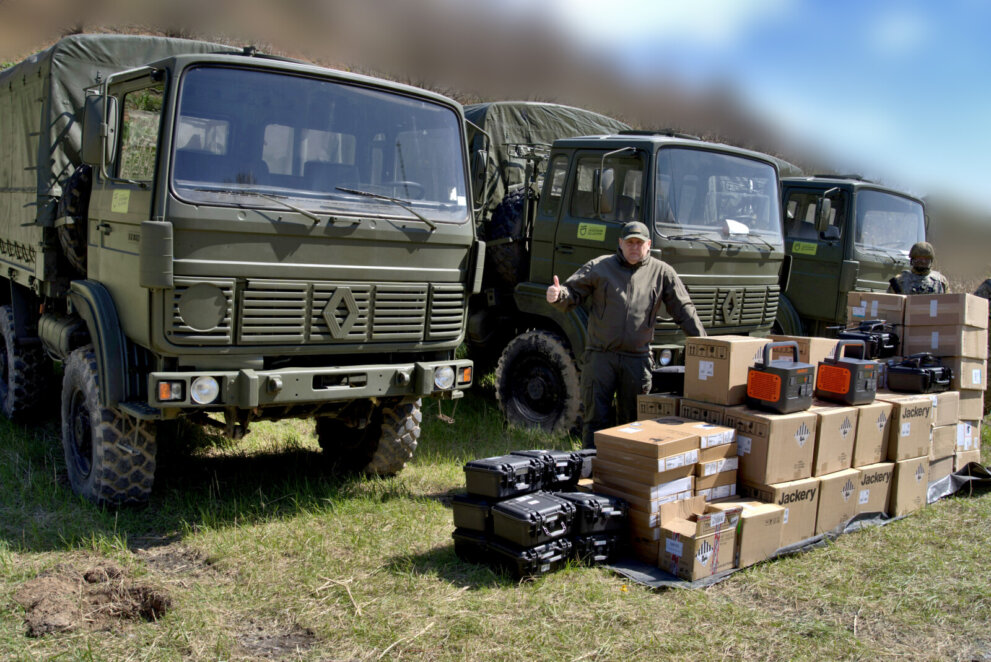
(921, 279)
(625, 291)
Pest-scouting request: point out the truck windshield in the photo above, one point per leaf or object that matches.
(315, 143)
(888, 221)
(699, 190)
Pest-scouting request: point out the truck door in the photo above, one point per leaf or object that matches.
(816, 256)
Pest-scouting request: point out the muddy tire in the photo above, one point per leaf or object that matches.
(380, 448)
(506, 260)
(537, 383)
(110, 456)
(24, 371)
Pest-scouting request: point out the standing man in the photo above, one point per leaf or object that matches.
(626, 291)
(922, 279)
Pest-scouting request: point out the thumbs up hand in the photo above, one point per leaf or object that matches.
(554, 291)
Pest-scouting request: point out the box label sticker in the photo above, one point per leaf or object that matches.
(975, 377)
(592, 231)
(630, 429)
(674, 462)
(932, 308)
(742, 444)
(706, 369)
(906, 428)
(673, 547)
(859, 311)
(865, 496)
(717, 519)
(934, 340)
(786, 516)
(874, 308)
(704, 555)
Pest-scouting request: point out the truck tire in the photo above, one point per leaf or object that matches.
(537, 383)
(110, 456)
(787, 321)
(382, 447)
(23, 371)
(506, 261)
(75, 205)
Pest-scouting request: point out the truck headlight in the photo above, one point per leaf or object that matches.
(444, 378)
(665, 357)
(204, 390)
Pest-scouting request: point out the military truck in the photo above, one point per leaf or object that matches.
(842, 234)
(199, 231)
(713, 210)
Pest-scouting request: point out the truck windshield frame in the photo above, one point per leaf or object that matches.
(308, 139)
(888, 222)
(698, 191)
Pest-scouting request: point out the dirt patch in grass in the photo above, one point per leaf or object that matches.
(97, 598)
(272, 643)
(174, 559)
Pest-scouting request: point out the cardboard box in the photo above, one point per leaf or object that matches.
(773, 448)
(655, 405)
(873, 429)
(646, 438)
(644, 476)
(838, 497)
(716, 367)
(696, 540)
(940, 468)
(966, 341)
(968, 436)
(810, 350)
(716, 486)
(911, 483)
(967, 373)
(718, 452)
(946, 407)
(637, 500)
(644, 548)
(944, 441)
(946, 309)
(701, 411)
(971, 407)
(709, 435)
(644, 463)
(963, 458)
(718, 491)
(836, 430)
(664, 485)
(911, 418)
(758, 535)
(862, 306)
(800, 500)
(724, 464)
(874, 487)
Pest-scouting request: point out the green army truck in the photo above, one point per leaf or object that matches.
(842, 234)
(193, 230)
(713, 211)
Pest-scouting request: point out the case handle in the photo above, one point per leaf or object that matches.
(841, 344)
(782, 343)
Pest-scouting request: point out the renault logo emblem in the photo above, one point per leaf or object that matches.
(341, 312)
(733, 307)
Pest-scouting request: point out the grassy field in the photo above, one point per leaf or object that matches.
(250, 551)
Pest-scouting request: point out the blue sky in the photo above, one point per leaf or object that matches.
(898, 91)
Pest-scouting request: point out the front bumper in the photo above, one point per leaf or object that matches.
(247, 389)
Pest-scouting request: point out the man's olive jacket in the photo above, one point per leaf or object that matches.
(624, 300)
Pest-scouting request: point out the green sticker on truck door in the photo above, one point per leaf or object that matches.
(592, 231)
(804, 247)
(120, 201)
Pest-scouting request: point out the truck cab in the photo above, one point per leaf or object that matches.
(842, 235)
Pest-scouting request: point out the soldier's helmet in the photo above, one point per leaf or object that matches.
(922, 249)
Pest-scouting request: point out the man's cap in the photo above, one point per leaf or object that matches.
(635, 229)
(922, 249)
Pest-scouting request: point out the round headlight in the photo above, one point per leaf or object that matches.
(444, 378)
(665, 357)
(204, 390)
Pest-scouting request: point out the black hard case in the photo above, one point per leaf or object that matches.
(596, 513)
(596, 548)
(919, 373)
(529, 561)
(587, 455)
(472, 513)
(532, 519)
(562, 469)
(471, 546)
(503, 476)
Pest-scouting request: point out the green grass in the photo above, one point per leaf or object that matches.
(267, 557)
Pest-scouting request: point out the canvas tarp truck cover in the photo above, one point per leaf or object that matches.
(523, 122)
(41, 102)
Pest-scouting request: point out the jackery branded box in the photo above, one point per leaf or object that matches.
(965, 341)
(910, 485)
(946, 407)
(967, 373)
(758, 535)
(655, 405)
(701, 411)
(836, 430)
(800, 500)
(971, 406)
(716, 367)
(837, 499)
(874, 487)
(810, 350)
(944, 441)
(911, 418)
(873, 428)
(861, 306)
(697, 540)
(946, 310)
(773, 448)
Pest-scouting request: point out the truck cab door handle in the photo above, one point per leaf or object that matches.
(565, 249)
(104, 228)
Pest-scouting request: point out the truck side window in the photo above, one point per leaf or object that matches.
(554, 182)
(139, 133)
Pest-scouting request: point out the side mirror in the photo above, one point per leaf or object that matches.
(607, 193)
(479, 175)
(824, 209)
(99, 130)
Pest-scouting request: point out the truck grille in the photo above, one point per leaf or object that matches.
(295, 312)
(730, 307)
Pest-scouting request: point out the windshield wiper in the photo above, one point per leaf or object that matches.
(405, 204)
(233, 191)
(694, 237)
